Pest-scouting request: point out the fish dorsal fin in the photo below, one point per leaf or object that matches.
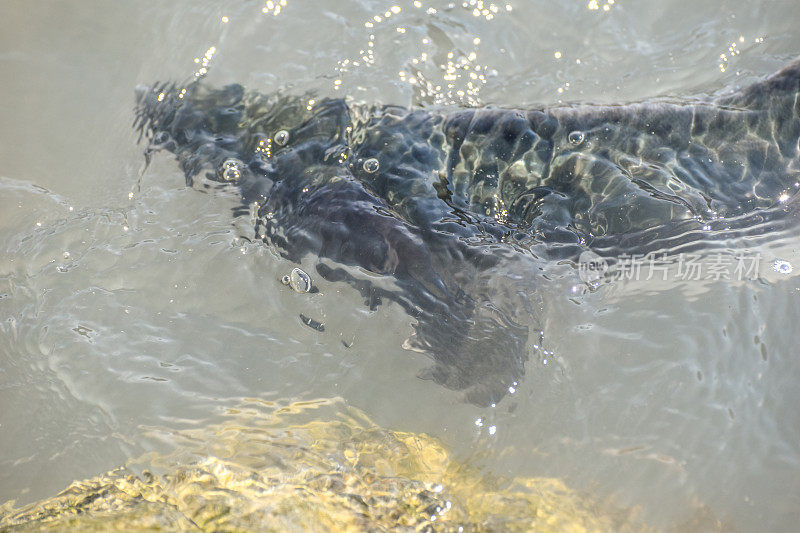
(781, 88)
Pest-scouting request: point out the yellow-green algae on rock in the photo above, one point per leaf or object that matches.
(309, 466)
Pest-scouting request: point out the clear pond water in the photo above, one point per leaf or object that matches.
(128, 301)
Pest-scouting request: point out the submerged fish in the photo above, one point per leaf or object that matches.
(439, 202)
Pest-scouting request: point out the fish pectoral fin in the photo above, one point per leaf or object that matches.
(481, 352)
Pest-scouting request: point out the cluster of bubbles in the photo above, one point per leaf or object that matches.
(734, 49)
(270, 7)
(232, 169)
(456, 80)
(273, 7)
(594, 5)
(204, 62)
(264, 146)
(497, 209)
(487, 10)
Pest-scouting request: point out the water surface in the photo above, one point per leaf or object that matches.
(129, 301)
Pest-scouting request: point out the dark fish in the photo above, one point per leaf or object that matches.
(440, 202)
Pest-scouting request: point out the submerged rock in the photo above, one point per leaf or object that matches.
(311, 466)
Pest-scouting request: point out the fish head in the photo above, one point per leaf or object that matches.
(252, 141)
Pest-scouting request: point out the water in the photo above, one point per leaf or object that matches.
(128, 301)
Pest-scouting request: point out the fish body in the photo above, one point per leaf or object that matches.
(437, 200)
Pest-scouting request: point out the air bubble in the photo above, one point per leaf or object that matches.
(575, 137)
(371, 165)
(231, 169)
(298, 280)
(231, 174)
(281, 137)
